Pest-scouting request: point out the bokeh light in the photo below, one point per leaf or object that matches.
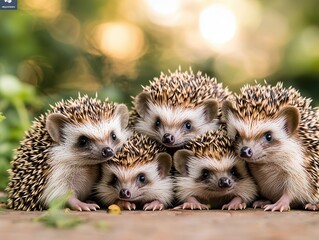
(120, 40)
(217, 24)
(66, 28)
(164, 7)
(43, 8)
(164, 12)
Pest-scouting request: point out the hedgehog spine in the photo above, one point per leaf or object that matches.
(137, 175)
(275, 133)
(211, 174)
(178, 107)
(61, 152)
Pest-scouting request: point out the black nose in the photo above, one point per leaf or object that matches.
(168, 138)
(107, 152)
(125, 193)
(225, 182)
(246, 152)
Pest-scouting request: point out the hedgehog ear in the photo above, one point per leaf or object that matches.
(54, 124)
(291, 116)
(141, 103)
(227, 110)
(210, 109)
(121, 110)
(164, 164)
(181, 157)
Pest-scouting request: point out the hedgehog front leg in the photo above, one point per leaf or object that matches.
(234, 204)
(283, 204)
(154, 205)
(193, 204)
(75, 204)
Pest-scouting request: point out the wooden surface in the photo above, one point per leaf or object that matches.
(168, 224)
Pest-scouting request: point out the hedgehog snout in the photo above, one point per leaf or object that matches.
(168, 138)
(107, 152)
(225, 182)
(125, 193)
(246, 152)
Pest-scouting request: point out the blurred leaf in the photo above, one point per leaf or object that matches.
(4, 165)
(2, 117)
(59, 219)
(102, 225)
(10, 86)
(56, 217)
(2, 207)
(18, 102)
(60, 202)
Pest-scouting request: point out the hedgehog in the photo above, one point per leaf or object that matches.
(210, 175)
(177, 107)
(275, 130)
(62, 152)
(138, 176)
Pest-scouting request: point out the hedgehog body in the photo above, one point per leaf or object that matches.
(275, 130)
(61, 153)
(177, 107)
(210, 174)
(137, 176)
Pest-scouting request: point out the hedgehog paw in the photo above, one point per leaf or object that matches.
(283, 204)
(77, 205)
(261, 203)
(312, 207)
(126, 205)
(154, 205)
(192, 204)
(234, 204)
(281, 207)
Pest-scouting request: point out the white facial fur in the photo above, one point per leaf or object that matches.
(100, 137)
(207, 190)
(155, 187)
(278, 165)
(172, 122)
(252, 134)
(74, 169)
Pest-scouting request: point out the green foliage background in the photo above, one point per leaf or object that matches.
(46, 54)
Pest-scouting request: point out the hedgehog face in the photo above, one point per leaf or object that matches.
(259, 141)
(89, 142)
(173, 126)
(139, 183)
(208, 177)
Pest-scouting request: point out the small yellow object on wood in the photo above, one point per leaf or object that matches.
(114, 209)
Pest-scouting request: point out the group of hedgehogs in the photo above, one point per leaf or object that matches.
(187, 143)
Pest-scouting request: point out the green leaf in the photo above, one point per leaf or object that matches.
(59, 219)
(102, 225)
(56, 217)
(2, 117)
(60, 202)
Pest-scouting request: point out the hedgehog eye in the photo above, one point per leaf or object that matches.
(157, 123)
(188, 125)
(141, 178)
(113, 180)
(268, 136)
(237, 136)
(83, 141)
(113, 136)
(205, 174)
(234, 172)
